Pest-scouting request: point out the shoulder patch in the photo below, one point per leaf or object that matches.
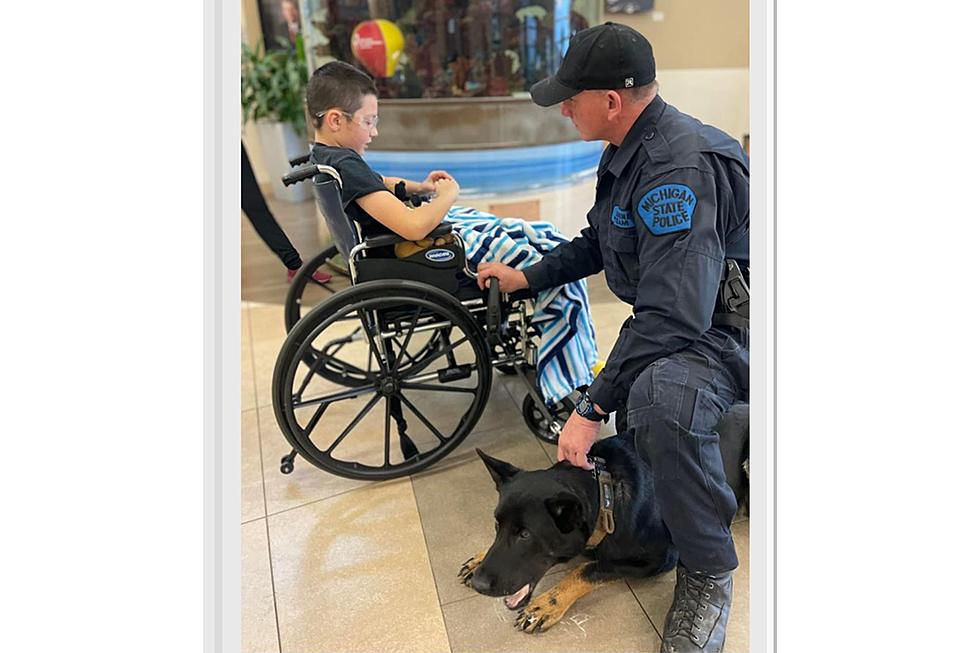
(667, 209)
(621, 218)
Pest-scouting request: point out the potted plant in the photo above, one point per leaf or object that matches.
(273, 87)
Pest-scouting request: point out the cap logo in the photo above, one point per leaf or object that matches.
(629, 82)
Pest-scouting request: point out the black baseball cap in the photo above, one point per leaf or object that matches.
(605, 56)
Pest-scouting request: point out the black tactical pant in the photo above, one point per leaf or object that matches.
(673, 408)
(260, 216)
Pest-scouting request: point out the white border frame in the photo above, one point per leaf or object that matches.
(222, 451)
(222, 332)
(762, 552)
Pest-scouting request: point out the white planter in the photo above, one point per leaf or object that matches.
(280, 143)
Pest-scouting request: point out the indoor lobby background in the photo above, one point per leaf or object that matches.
(330, 564)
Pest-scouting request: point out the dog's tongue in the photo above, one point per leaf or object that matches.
(515, 598)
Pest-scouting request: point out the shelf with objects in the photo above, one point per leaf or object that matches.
(453, 80)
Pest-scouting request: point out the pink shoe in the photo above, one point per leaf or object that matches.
(319, 277)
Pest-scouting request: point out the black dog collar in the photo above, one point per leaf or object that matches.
(605, 524)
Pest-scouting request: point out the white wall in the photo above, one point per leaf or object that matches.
(716, 96)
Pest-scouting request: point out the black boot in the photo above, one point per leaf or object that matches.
(698, 617)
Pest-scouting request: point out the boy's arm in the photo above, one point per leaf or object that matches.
(418, 187)
(410, 224)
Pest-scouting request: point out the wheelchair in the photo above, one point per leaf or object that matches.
(412, 342)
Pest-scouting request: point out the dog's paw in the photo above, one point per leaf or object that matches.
(468, 567)
(541, 614)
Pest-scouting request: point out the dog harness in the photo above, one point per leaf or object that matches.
(605, 524)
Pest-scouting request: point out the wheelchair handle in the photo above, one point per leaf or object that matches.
(297, 175)
(299, 160)
(307, 171)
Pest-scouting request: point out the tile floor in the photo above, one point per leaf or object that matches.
(331, 564)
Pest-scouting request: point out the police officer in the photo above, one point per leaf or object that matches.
(670, 221)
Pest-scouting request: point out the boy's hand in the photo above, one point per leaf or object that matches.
(510, 279)
(446, 186)
(429, 185)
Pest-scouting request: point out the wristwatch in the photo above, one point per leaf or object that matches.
(586, 409)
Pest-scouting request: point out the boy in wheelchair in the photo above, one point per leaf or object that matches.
(343, 105)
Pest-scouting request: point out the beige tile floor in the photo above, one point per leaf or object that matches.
(331, 564)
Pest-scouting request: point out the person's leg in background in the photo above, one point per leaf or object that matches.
(258, 213)
(673, 409)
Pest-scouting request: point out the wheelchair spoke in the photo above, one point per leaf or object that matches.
(338, 396)
(370, 338)
(311, 373)
(437, 388)
(408, 338)
(315, 419)
(442, 351)
(422, 418)
(353, 424)
(342, 367)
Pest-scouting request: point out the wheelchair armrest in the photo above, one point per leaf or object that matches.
(443, 229)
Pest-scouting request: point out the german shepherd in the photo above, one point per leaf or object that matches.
(544, 517)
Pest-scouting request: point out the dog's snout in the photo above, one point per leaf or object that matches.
(480, 582)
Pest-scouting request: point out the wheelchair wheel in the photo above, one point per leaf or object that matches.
(416, 359)
(546, 427)
(305, 291)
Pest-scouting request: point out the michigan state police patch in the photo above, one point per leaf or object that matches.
(667, 209)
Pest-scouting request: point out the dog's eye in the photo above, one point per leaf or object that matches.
(524, 534)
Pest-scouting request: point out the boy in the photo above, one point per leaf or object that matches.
(343, 104)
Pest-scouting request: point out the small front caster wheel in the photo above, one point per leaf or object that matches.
(286, 467)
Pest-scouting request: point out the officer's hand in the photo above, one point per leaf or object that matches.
(510, 279)
(577, 437)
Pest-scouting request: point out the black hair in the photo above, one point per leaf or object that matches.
(337, 85)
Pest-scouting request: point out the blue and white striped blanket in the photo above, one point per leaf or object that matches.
(567, 351)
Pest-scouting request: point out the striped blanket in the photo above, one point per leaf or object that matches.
(567, 351)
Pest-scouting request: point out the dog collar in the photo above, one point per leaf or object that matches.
(605, 524)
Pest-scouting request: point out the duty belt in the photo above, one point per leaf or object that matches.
(733, 298)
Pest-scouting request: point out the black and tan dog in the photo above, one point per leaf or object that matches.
(549, 516)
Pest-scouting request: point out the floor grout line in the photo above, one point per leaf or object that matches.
(265, 501)
(432, 571)
(643, 608)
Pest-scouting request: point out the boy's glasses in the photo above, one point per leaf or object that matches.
(367, 123)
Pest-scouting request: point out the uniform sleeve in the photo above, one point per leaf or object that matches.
(568, 262)
(359, 179)
(680, 267)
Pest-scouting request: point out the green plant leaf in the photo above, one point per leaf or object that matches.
(274, 84)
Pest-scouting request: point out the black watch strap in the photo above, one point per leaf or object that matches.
(586, 409)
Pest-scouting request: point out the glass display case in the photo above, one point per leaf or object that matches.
(453, 79)
(446, 48)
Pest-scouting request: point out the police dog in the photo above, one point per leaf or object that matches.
(544, 517)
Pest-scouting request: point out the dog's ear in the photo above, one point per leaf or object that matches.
(500, 471)
(566, 510)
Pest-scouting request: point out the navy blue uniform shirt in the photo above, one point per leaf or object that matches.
(672, 203)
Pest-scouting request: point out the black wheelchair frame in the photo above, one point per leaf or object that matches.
(425, 339)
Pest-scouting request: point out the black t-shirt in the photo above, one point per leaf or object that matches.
(358, 180)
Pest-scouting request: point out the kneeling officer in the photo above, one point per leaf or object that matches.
(669, 227)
